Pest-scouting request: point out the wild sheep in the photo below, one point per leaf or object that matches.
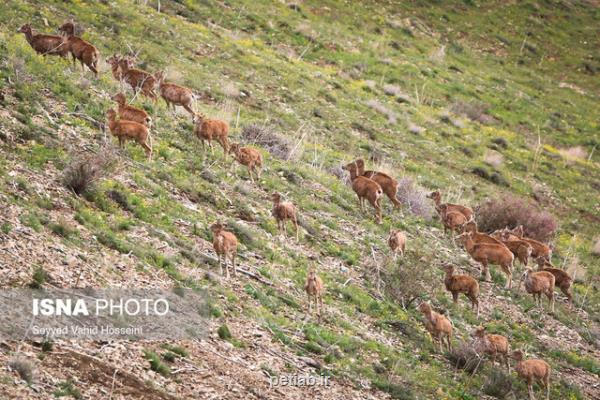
(314, 289)
(397, 242)
(521, 249)
(533, 370)
(131, 113)
(86, 53)
(130, 130)
(479, 237)
(488, 253)
(174, 95)
(562, 279)
(365, 188)
(113, 61)
(452, 220)
(207, 129)
(140, 81)
(388, 184)
(491, 344)
(465, 284)
(436, 196)
(283, 211)
(249, 157)
(538, 249)
(438, 326)
(225, 245)
(45, 44)
(538, 283)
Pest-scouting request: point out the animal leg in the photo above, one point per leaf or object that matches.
(455, 297)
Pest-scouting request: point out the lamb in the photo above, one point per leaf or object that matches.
(136, 78)
(283, 211)
(465, 284)
(225, 245)
(493, 345)
(131, 113)
(388, 184)
(81, 50)
(397, 242)
(533, 370)
(208, 129)
(538, 283)
(45, 44)
(438, 326)
(249, 157)
(562, 279)
(174, 95)
(365, 188)
(130, 130)
(488, 253)
(436, 196)
(452, 220)
(314, 289)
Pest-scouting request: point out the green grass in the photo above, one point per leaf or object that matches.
(308, 75)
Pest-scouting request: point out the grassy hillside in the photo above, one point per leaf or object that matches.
(477, 99)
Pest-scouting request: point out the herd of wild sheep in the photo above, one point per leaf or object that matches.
(499, 248)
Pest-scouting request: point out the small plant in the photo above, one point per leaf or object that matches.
(23, 367)
(224, 332)
(39, 277)
(67, 389)
(498, 384)
(156, 364)
(465, 358)
(278, 145)
(63, 228)
(6, 228)
(511, 211)
(86, 170)
(177, 350)
(47, 346)
(414, 197)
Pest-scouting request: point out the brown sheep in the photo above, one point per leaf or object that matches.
(388, 184)
(80, 50)
(479, 237)
(131, 113)
(538, 249)
(365, 188)
(562, 279)
(533, 370)
(465, 284)
(436, 196)
(207, 130)
(538, 283)
(139, 80)
(488, 253)
(113, 61)
(491, 344)
(174, 95)
(224, 244)
(45, 44)
(283, 211)
(521, 249)
(249, 157)
(130, 130)
(452, 220)
(314, 289)
(438, 326)
(397, 242)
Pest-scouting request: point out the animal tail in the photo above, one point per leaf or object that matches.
(149, 122)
